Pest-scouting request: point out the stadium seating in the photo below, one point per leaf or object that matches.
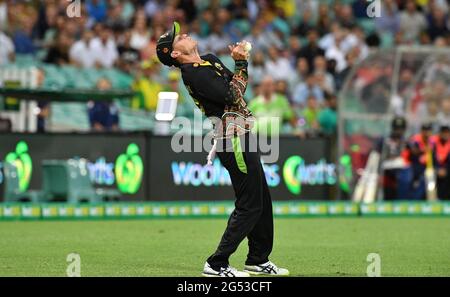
(70, 180)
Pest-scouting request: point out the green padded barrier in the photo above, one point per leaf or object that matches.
(12, 191)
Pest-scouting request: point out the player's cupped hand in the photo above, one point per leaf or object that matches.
(238, 51)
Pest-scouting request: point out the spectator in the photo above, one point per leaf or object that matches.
(46, 20)
(48, 25)
(306, 24)
(282, 88)
(328, 116)
(139, 33)
(128, 57)
(310, 115)
(59, 52)
(334, 46)
(412, 22)
(115, 19)
(437, 23)
(22, 37)
(325, 79)
(360, 42)
(418, 146)
(97, 9)
(307, 89)
(325, 85)
(270, 109)
(7, 53)
(104, 48)
(389, 21)
(301, 73)
(345, 16)
(351, 58)
(147, 86)
(324, 19)
(81, 53)
(278, 66)
(294, 45)
(311, 50)
(103, 115)
(328, 39)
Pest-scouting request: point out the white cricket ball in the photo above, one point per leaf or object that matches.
(248, 46)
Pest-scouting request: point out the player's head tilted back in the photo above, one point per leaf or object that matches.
(172, 47)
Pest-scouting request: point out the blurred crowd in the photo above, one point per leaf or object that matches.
(303, 50)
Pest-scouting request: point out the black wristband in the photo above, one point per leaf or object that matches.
(241, 64)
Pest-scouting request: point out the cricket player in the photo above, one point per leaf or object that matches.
(396, 169)
(219, 93)
(417, 153)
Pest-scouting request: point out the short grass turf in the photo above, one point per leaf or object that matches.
(179, 247)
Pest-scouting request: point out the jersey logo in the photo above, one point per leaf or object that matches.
(206, 63)
(218, 66)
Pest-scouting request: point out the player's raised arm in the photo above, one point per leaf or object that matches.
(238, 84)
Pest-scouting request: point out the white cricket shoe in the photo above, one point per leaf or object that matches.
(224, 272)
(267, 268)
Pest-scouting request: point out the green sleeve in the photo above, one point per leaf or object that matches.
(253, 105)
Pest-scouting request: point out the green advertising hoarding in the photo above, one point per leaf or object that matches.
(153, 210)
(114, 161)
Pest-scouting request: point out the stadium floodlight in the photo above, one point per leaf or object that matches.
(167, 106)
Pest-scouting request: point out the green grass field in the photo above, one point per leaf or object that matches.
(179, 247)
